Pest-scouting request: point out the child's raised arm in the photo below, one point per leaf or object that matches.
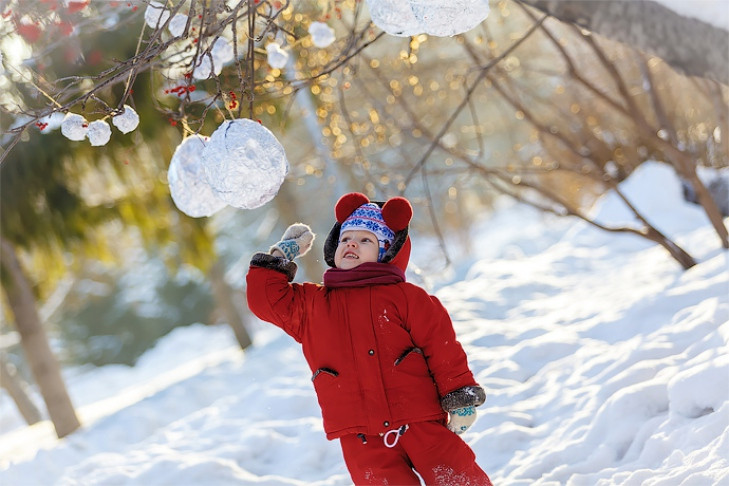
(269, 291)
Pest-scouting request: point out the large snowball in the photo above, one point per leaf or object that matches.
(395, 17)
(434, 17)
(189, 187)
(245, 164)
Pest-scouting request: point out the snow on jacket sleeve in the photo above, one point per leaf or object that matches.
(432, 331)
(272, 297)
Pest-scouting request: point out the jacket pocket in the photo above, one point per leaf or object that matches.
(327, 371)
(407, 353)
(338, 403)
(412, 362)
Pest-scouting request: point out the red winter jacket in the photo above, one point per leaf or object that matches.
(381, 355)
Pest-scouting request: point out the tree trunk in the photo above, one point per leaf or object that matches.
(43, 364)
(678, 253)
(12, 383)
(225, 302)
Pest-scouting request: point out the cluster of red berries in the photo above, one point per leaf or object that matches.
(233, 101)
(181, 89)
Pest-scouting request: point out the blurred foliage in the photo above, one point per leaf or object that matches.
(117, 319)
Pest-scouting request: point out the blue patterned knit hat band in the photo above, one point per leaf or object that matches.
(368, 217)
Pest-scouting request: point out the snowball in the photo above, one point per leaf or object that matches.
(99, 133)
(434, 17)
(394, 17)
(189, 187)
(177, 25)
(206, 67)
(245, 164)
(127, 120)
(74, 127)
(156, 14)
(277, 57)
(321, 34)
(222, 51)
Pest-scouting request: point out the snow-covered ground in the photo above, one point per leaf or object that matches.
(604, 363)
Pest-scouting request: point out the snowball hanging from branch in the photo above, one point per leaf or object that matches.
(156, 14)
(74, 127)
(189, 187)
(127, 120)
(321, 34)
(277, 57)
(245, 164)
(440, 18)
(99, 133)
(177, 25)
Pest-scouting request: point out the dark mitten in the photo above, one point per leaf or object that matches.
(461, 407)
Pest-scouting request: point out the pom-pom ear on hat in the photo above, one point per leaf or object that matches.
(347, 204)
(397, 213)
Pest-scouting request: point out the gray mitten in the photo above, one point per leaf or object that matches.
(461, 407)
(295, 242)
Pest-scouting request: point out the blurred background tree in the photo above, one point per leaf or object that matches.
(525, 105)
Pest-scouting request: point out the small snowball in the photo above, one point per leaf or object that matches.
(277, 57)
(206, 67)
(74, 127)
(245, 164)
(177, 25)
(222, 51)
(321, 34)
(156, 14)
(189, 187)
(127, 120)
(99, 133)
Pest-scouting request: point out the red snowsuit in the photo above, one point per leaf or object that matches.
(381, 356)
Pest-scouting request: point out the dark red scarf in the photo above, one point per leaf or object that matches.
(369, 273)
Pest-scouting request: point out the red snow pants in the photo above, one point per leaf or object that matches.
(440, 457)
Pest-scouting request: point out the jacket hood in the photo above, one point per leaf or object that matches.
(397, 213)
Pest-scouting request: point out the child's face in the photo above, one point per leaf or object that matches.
(356, 247)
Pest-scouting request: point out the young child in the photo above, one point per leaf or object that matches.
(392, 381)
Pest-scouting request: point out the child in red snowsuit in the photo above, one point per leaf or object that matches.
(391, 379)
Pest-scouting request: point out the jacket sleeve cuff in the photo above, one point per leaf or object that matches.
(279, 264)
(468, 396)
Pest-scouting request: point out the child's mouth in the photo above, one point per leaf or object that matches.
(350, 255)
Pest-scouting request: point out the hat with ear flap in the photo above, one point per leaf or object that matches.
(396, 214)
